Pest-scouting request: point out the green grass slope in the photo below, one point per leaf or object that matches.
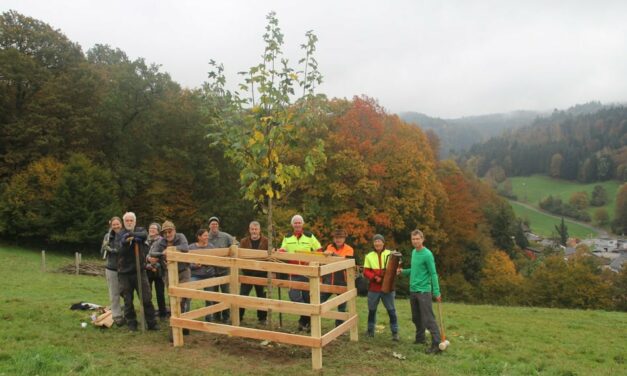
(532, 189)
(41, 336)
(544, 225)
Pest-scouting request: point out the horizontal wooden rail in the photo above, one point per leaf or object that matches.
(339, 330)
(336, 301)
(227, 262)
(247, 301)
(240, 331)
(202, 312)
(262, 281)
(207, 282)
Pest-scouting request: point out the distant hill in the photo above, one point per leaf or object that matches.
(460, 134)
(577, 144)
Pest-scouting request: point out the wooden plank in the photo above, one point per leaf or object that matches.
(240, 331)
(223, 252)
(201, 312)
(175, 302)
(234, 285)
(339, 330)
(207, 282)
(314, 257)
(227, 262)
(262, 281)
(336, 301)
(316, 324)
(335, 315)
(249, 302)
(337, 266)
(246, 253)
(352, 304)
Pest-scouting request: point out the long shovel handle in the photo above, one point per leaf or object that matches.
(441, 321)
(142, 316)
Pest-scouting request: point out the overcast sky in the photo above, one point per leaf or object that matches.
(442, 58)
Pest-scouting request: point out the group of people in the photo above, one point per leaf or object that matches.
(126, 245)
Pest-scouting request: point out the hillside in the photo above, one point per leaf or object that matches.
(458, 135)
(40, 335)
(586, 147)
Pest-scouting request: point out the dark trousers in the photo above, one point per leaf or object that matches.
(224, 315)
(423, 317)
(128, 284)
(300, 296)
(326, 295)
(154, 278)
(245, 289)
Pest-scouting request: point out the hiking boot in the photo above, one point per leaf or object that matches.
(395, 337)
(370, 333)
(433, 350)
(185, 332)
(132, 325)
(419, 342)
(153, 326)
(119, 321)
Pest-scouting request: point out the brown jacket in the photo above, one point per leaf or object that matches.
(246, 243)
(263, 245)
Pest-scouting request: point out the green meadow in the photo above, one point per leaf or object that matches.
(42, 336)
(532, 189)
(544, 225)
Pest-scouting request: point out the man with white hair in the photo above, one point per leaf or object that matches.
(127, 239)
(296, 242)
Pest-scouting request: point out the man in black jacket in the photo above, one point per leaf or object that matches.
(126, 240)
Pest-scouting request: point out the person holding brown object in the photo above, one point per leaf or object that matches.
(254, 241)
(338, 248)
(423, 287)
(374, 269)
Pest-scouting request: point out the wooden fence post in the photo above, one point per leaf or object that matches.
(175, 302)
(316, 324)
(234, 285)
(77, 262)
(43, 260)
(352, 304)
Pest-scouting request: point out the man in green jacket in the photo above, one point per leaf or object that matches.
(423, 287)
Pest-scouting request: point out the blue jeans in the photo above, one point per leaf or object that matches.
(388, 303)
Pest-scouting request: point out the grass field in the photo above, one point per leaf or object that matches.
(532, 189)
(544, 225)
(41, 336)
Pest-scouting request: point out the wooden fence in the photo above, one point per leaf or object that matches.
(235, 259)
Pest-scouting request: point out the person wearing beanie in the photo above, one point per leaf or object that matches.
(220, 239)
(374, 269)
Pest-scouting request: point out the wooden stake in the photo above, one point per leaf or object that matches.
(43, 260)
(76, 262)
(352, 304)
(316, 324)
(234, 286)
(175, 302)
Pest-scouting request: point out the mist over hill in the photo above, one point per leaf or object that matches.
(460, 134)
